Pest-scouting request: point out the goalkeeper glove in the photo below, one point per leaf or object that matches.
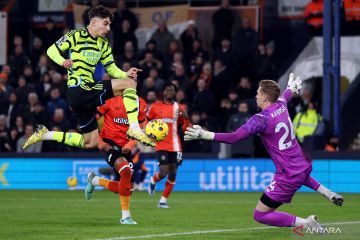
(294, 84)
(196, 132)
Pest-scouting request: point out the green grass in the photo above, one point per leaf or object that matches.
(66, 215)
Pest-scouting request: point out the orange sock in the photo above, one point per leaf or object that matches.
(109, 185)
(168, 188)
(156, 177)
(125, 202)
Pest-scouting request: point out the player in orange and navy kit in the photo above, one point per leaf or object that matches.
(116, 147)
(168, 151)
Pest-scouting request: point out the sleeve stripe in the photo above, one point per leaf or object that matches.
(108, 63)
(103, 58)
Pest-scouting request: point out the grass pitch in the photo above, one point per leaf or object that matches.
(66, 215)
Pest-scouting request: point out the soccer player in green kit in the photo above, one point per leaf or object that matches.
(86, 47)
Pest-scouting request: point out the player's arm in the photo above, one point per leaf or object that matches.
(107, 59)
(61, 45)
(256, 124)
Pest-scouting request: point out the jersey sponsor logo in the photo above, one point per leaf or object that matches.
(278, 111)
(91, 56)
(271, 187)
(121, 121)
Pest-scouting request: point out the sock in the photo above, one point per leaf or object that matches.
(168, 188)
(131, 105)
(70, 139)
(110, 185)
(299, 222)
(279, 219)
(163, 199)
(312, 183)
(124, 188)
(96, 181)
(154, 179)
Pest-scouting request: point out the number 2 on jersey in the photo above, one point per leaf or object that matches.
(282, 144)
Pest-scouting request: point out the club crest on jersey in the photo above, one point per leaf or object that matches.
(61, 40)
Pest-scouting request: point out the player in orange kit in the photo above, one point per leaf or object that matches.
(168, 151)
(116, 147)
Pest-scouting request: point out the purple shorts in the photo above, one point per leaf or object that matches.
(282, 188)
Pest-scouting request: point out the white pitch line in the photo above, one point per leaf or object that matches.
(211, 231)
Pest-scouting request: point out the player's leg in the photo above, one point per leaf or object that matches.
(87, 140)
(281, 190)
(163, 162)
(169, 185)
(127, 88)
(334, 197)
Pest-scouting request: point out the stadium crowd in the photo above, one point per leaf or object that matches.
(217, 86)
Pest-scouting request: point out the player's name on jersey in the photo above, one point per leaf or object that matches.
(278, 111)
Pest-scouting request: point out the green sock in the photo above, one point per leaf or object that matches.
(131, 104)
(70, 139)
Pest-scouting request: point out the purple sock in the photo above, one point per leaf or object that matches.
(312, 183)
(279, 219)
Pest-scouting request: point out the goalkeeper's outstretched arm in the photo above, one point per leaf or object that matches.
(196, 133)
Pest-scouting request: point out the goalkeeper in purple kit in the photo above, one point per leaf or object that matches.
(293, 166)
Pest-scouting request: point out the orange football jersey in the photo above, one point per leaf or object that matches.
(169, 113)
(115, 119)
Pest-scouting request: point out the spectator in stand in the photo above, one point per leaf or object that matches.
(181, 98)
(13, 138)
(163, 37)
(23, 90)
(180, 75)
(5, 88)
(313, 13)
(124, 35)
(159, 82)
(189, 35)
(34, 111)
(56, 102)
(245, 88)
(225, 112)
(223, 20)
(50, 33)
(36, 148)
(225, 54)
(259, 63)
(123, 13)
(148, 63)
(207, 74)
(11, 109)
(332, 144)
(42, 66)
(195, 52)
(18, 60)
(28, 73)
(148, 85)
(36, 51)
(269, 70)
(174, 47)
(20, 125)
(85, 16)
(12, 80)
(203, 100)
(43, 87)
(59, 120)
(245, 43)
(221, 82)
(151, 97)
(4, 136)
(151, 47)
(129, 55)
(197, 146)
(305, 122)
(245, 148)
(58, 82)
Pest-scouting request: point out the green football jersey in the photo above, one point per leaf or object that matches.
(85, 51)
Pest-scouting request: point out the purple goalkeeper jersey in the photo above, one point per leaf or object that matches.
(275, 129)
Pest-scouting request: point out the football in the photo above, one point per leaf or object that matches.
(157, 130)
(71, 181)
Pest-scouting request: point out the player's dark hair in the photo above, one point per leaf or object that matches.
(169, 84)
(101, 12)
(271, 89)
